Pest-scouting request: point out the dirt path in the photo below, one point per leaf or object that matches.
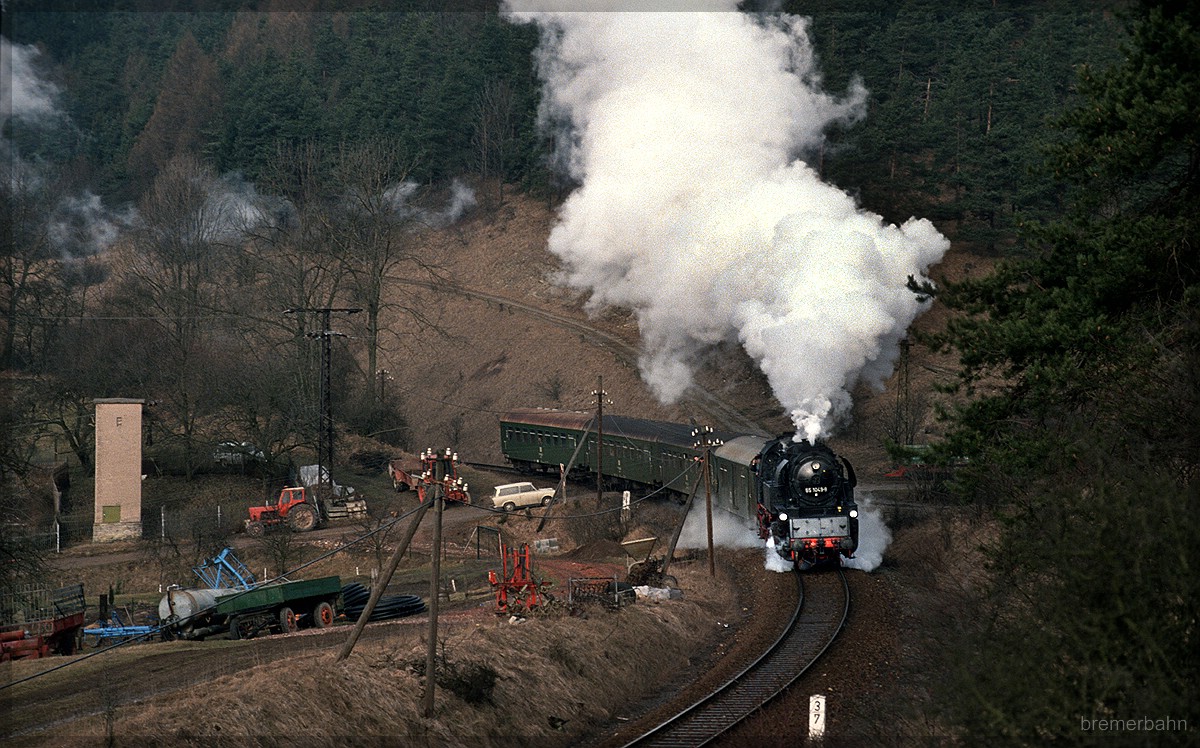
(99, 682)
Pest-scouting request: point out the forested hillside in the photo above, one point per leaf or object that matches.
(238, 134)
(454, 90)
(957, 110)
(176, 179)
(263, 121)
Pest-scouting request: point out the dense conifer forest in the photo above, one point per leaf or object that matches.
(1059, 140)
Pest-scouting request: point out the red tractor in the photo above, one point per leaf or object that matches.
(292, 509)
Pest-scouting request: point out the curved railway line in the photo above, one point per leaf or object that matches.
(824, 603)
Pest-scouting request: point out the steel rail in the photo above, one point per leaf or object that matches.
(819, 617)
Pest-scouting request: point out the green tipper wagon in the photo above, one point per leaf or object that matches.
(282, 607)
(236, 604)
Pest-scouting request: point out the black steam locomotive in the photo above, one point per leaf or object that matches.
(806, 502)
(799, 496)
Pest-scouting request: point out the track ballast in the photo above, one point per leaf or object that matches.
(824, 603)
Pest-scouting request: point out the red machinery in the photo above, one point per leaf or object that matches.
(436, 470)
(517, 589)
(41, 623)
(292, 507)
(16, 645)
(402, 480)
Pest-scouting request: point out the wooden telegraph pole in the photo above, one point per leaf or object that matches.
(563, 471)
(600, 395)
(443, 474)
(705, 441)
(381, 584)
(687, 508)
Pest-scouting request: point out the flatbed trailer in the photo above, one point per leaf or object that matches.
(285, 606)
(279, 607)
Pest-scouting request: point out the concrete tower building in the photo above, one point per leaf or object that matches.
(118, 469)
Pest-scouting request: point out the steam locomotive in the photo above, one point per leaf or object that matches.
(806, 501)
(798, 496)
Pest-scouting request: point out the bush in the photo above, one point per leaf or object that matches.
(473, 682)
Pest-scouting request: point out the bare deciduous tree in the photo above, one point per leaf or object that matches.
(176, 278)
(372, 230)
(495, 138)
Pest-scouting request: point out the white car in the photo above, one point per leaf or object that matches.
(512, 495)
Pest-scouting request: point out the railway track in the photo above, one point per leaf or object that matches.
(820, 615)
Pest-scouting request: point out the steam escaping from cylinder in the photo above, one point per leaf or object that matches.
(775, 562)
(874, 536)
(688, 134)
(729, 531)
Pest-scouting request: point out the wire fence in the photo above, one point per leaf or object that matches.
(174, 524)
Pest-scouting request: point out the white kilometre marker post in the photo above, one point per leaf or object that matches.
(816, 717)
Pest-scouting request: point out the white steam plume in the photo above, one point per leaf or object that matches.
(462, 199)
(233, 208)
(24, 94)
(694, 210)
(81, 225)
(76, 225)
(874, 536)
(399, 196)
(729, 531)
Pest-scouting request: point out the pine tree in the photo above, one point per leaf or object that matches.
(1087, 442)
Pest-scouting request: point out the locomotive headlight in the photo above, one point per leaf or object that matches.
(853, 513)
(783, 516)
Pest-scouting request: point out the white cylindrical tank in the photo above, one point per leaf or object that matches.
(182, 605)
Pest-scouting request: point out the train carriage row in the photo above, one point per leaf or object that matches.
(800, 495)
(637, 451)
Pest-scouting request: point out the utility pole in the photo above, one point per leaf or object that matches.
(563, 471)
(427, 486)
(705, 441)
(600, 395)
(904, 418)
(687, 508)
(384, 377)
(325, 427)
(381, 584)
(443, 473)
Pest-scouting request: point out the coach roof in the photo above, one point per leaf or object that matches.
(675, 434)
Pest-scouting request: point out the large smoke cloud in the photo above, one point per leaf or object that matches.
(686, 133)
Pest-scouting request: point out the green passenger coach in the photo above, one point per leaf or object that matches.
(799, 495)
(637, 452)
